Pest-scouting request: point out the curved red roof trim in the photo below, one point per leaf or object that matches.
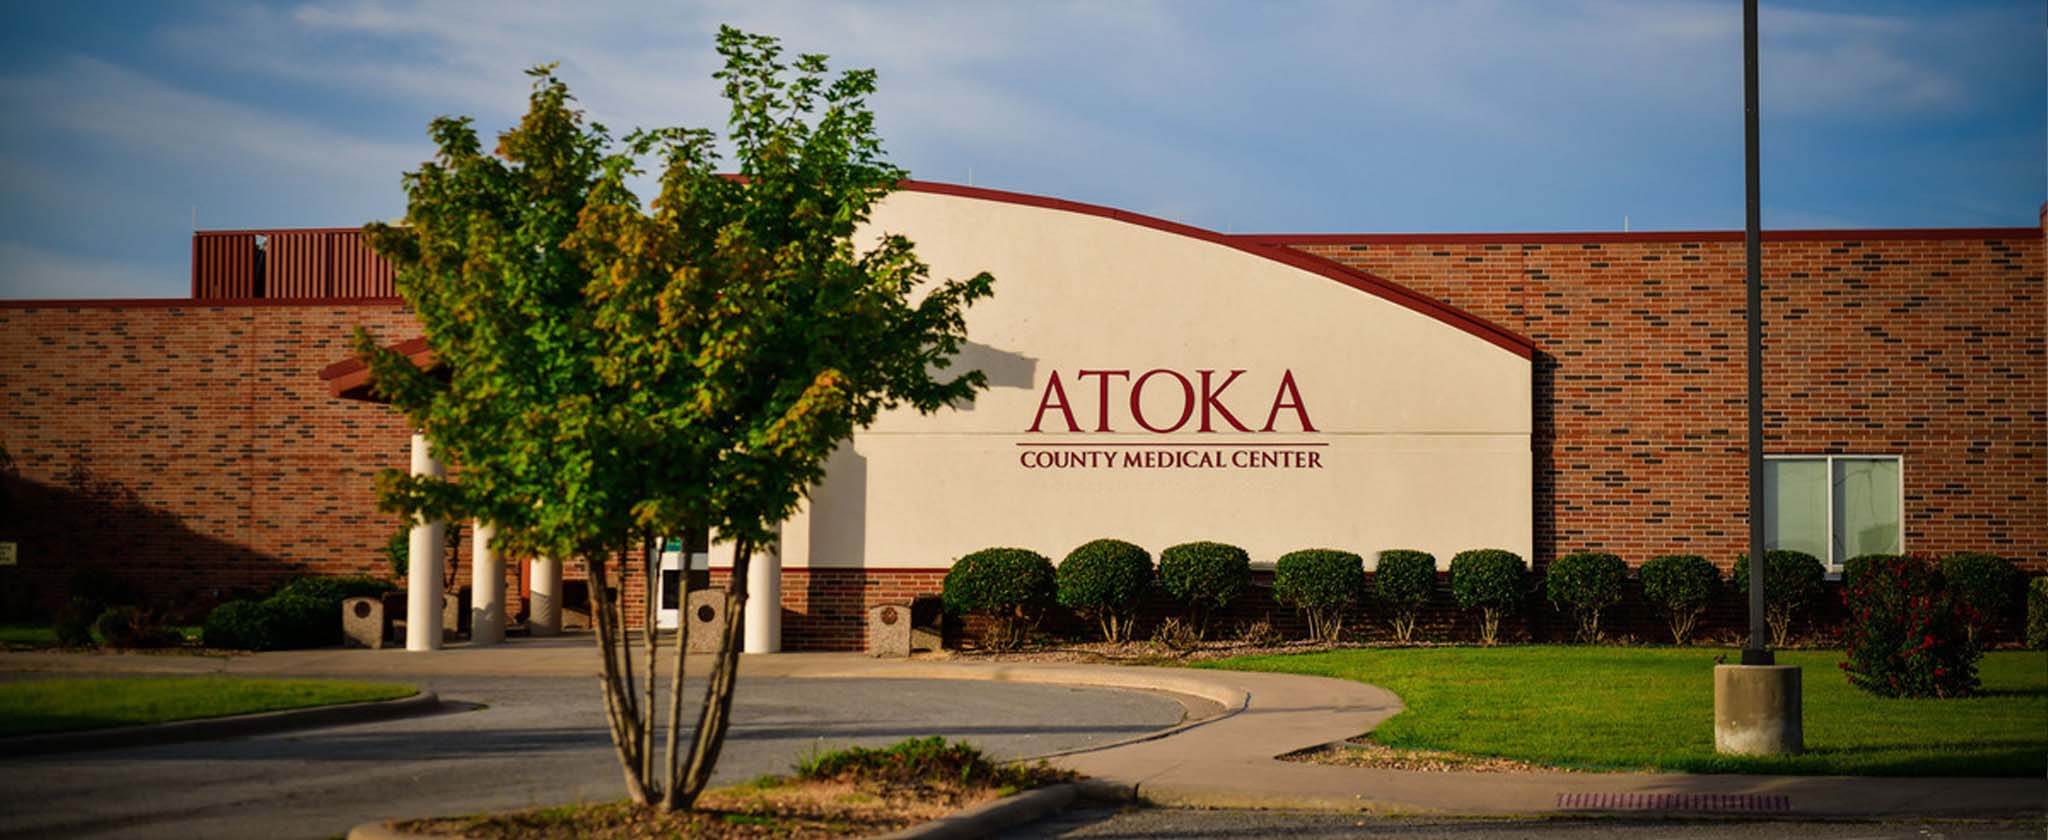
(1617, 237)
(1493, 333)
(349, 378)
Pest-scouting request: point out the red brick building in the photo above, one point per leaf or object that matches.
(193, 448)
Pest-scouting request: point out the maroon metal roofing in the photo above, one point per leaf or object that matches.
(288, 264)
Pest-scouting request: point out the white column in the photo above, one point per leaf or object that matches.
(763, 624)
(424, 564)
(544, 600)
(487, 587)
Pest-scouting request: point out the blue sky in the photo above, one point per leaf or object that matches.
(1295, 117)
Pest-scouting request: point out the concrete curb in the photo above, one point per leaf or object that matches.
(1008, 812)
(221, 727)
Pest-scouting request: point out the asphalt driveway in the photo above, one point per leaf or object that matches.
(534, 741)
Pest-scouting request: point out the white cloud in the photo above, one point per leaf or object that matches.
(30, 272)
(95, 100)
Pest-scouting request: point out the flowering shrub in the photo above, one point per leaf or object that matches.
(1908, 636)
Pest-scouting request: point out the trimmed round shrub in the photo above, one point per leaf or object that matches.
(1103, 580)
(336, 589)
(1908, 635)
(305, 613)
(73, 622)
(1586, 583)
(1403, 582)
(302, 621)
(239, 625)
(2037, 613)
(131, 627)
(1492, 581)
(1989, 585)
(1011, 586)
(1323, 584)
(1204, 577)
(1681, 585)
(1791, 580)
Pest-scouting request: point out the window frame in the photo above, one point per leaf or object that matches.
(1832, 564)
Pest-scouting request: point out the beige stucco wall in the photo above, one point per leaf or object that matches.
(1425, 428)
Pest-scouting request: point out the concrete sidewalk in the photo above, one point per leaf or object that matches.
(1224, 755)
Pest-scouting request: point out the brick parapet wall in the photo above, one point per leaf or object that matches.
(1929, 348)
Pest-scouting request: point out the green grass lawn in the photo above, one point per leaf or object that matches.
(33, 706)
(43, 635)
(38, 635)
(1653, 708)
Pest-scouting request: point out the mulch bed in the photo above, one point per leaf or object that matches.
(822, 809)
(1359, 752)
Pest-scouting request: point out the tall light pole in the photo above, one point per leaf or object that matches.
(1757, 705)
(1755, 653)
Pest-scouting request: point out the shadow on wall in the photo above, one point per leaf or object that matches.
(1543, 443)
(1003, 368)
(839, 511)
(86, 520)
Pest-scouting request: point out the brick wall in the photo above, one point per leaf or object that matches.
(193, 447)
(1925, 344)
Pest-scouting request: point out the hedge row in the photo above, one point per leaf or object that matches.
(306, 613)
(1104, 581)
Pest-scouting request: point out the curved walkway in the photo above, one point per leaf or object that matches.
(1226, 756)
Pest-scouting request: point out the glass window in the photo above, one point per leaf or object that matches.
(1866, 507)
(1796, 506)
(1833, 507)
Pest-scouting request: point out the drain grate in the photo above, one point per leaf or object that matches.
(1742, 802)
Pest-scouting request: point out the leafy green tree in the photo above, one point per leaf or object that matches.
(608, 372)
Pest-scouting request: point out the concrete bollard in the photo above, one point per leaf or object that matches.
(455, 613)
(1757, 710)
(889, 630)
(365, 623)
(704, 616)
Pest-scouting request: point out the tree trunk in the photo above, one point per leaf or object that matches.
(649, 612)
(672, 751)
(717, 717)
(618, 707)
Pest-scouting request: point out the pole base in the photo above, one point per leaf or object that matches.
(1757, 710)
